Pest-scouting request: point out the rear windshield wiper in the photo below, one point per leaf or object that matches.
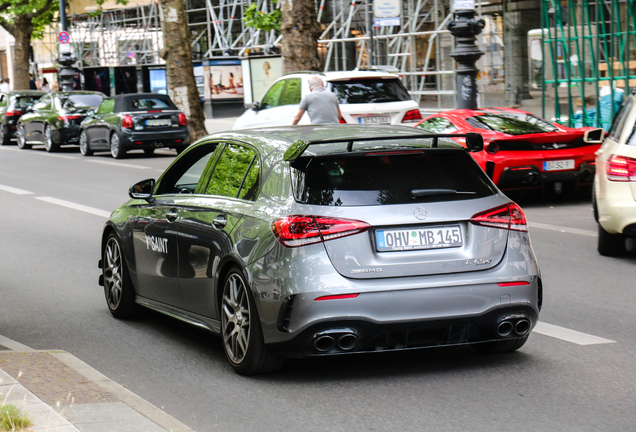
(416, 193)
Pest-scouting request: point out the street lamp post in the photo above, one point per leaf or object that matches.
(465, 27)
(66, 61)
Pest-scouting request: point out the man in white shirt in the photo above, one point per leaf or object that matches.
(5, 87)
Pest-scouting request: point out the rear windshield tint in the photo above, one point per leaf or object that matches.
(146, 104)
(361, 91)
(508, 125)
(81, 101)
(22, 102)
(412, 177)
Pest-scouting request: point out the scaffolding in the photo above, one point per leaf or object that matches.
(588, 58)
(418, 47)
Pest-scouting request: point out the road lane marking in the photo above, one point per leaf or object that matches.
(118, 164)
(562, 229)
(14, 190)
(75, 206)
(13, 345)
(569, 335)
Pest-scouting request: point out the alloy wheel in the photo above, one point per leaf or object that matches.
(115, 150)
(235, 318)
(48, 142)
(83, 144)
(21, 138)
(113, 273)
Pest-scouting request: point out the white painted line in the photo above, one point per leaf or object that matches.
(13, 345)
(117, 164)
(569, 335)
(56, 155)
(563, 229)
(75, 206)
(14, 190)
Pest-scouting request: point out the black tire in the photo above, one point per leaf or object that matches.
(118, 287)
(241, 329)
(4, 139)
(49, 144)
(116, 149)
(84, 146)
(503, 346)
(610, 244)
(21, 138)
(149, 151)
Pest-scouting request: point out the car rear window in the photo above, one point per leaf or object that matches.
(22, 102)
(81, 101)
(155, 103)
(369, 90)
(509, 125)
(379, 179)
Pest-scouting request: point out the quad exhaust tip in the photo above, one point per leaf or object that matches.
(341, 339)
(513, 326)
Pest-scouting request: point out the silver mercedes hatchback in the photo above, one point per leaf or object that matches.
(322, 240)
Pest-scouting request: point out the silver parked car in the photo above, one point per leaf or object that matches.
(319, 240)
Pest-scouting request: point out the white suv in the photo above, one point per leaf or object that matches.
(365, 98)
(614, 195)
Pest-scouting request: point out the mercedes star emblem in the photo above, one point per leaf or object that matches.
(419, 213)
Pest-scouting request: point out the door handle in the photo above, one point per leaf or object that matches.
(172, 215)
(220, 221)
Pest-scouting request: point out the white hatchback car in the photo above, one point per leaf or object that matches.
(614, 195)
(366, 97)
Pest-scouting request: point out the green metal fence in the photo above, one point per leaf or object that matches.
(589, 58)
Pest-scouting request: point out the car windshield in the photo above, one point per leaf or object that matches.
(154, 103)
(81, 101)
(508, 125)
(531, 119)
(369, 90)
(380, 179)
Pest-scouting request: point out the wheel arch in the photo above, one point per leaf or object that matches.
(224, 268)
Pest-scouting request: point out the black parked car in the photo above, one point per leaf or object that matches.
(12, 105)
(54, 120)
(138, 121)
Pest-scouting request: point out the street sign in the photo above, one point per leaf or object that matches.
(387, 8)
(464, 5)
(131, 55)
(64, 37)
(382, 22)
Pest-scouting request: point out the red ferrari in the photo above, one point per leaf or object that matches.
(523, 151)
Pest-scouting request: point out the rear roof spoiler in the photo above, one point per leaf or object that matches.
(474, 141)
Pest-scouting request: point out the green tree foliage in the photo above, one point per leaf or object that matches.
(40, 12)
(260, 20)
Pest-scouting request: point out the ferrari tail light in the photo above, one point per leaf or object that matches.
(621, 168)
(411, 116)
(127, 122)
(492, 148)
(342, 121)
(298, 230)
(508, 216)
(183, 121)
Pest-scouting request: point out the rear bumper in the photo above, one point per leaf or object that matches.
(530, 176)
(141, 140)
(65, 135)
(617, 208)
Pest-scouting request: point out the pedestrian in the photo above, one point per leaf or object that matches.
(5, 86)
(321, 105)
(32, 85)
(45, 85)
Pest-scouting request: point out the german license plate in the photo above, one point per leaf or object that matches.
(418, 238)
(374, 120)
(158, 122)
(558, 165)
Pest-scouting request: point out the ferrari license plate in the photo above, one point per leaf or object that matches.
(558, 165)
(418, 238)
(158, 122)
(374, 120)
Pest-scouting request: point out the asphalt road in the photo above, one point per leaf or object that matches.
(576, 373)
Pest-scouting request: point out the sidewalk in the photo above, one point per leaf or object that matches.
(61, 393)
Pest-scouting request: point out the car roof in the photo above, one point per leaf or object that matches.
(78, 92)
(282, 137)
(25, 93)
(341, 75)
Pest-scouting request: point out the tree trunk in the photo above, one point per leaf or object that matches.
(300, 30)
(23, 29)
(177, 53)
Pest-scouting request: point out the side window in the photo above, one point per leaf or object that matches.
(186, 174)
(619, 120)
(106, 107)
(291, 94)
(438, 125)
(236, 174)
(270, 100)
(3, 100)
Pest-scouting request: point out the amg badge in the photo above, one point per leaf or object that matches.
(367, 270)
(478, 262)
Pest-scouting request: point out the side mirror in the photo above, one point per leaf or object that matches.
(475, 142)
(256, 106)
(143, 190)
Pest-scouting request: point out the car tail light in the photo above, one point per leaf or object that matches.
(337, 297)
(155, 111)
(507, 284)
(621, 168)
(183, 121)
(413, 115)
(294, 231)
(342, 121)
(13, 113)
(69, 117)
(492, 148)
(508, 216)
(127, 122)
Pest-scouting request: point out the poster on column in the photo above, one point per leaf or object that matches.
(264, 72)
(226, 79)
